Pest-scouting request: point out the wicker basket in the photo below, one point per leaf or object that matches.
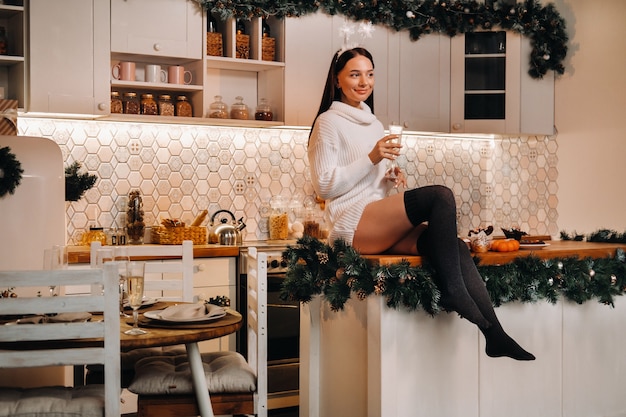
(214, 44)
(243, 46)
(269, 48)
(175, 235)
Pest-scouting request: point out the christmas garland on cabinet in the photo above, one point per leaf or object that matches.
(10, 171)
(338, 271)
(542, 24)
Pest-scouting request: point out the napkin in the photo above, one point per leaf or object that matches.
(59, 318)
(191, 311)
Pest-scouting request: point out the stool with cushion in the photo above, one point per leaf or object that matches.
(164, 384)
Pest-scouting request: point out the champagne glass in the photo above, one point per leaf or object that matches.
(134, 282)
(121, 258)
(394, 129)
(103, 256)
(54, 258)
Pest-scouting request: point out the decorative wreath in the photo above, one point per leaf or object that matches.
(10, 171)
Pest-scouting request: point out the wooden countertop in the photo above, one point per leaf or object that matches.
(80, 254)
(556, 249)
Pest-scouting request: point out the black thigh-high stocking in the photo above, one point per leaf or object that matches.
(435, 204)
(498, 343)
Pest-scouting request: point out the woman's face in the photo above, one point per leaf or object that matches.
(356, 80)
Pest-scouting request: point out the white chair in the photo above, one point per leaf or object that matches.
(168, 280)
(236, 387)
(95, 400)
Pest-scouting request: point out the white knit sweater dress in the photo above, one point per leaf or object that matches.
(341, 170)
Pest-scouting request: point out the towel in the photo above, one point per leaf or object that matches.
(191, 311)
(59, 318)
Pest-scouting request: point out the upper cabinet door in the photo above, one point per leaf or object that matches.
(169, 28)
(69, 56)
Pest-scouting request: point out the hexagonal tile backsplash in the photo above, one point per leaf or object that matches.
(183, 169)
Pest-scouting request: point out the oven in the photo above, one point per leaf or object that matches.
(283, 330)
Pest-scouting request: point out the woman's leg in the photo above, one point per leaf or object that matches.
(435, 204)
(498, 342)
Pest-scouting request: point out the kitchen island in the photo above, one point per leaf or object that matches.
(370, 360)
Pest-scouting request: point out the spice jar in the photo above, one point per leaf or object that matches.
(116, 102)
(131, 103)
(166, 106)
(218, 109)
(263, 111)
(239, 110)
(183, 107)
(279, 220)
(148, 105)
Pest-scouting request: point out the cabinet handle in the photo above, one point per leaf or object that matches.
(456, 126)
(199, 267)
(102, 106)
(157, 47)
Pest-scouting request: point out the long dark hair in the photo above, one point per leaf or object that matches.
(331, 91)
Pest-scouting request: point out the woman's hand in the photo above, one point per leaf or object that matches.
(396, 176)
(385, 148)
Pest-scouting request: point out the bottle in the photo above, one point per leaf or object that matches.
(4, 42)
(263, 111)
(211, 24)
(131, 103)
(239, 110)
(116, 103)
(148, 105)
(183, 107)
(240, 27)
(166, 107)
(218, 109)
(265, 29)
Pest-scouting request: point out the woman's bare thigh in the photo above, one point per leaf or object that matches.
(383, 224)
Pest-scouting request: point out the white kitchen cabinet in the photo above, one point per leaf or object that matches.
(252, 78)
(12, 65)
(490, 89)
(166, 28)
(68, 57)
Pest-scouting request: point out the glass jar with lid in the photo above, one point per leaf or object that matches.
(131, 103)
(263, 111)
(166, 106)
(279, 219)
(116, 102)
(218, 109)
(148, 105)
(183, 107)
(239, 110)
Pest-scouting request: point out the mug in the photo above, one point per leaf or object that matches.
(125, 71)
(154, 74)
(176, 74)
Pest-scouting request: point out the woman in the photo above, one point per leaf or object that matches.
(348, 154)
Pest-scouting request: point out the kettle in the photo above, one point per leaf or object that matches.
(223, 232)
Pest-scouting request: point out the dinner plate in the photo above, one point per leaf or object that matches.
(146, 302)
(156, 315)
(533, 245)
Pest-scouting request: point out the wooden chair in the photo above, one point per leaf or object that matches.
(168, 280)
(229, 367)
(57, 325)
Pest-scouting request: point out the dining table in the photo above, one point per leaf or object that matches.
(159, 333)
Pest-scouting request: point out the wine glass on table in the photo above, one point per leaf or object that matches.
(134, 283)
(103, 255)
(54, 258)
(121, 258)
(392, 166)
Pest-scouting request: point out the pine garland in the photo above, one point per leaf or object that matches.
(543, 25)
(10, 171)
(315, 268)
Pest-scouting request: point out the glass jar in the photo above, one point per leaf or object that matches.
(166, 106)
(263, 111)
(148, 105)
(135, 226)
(183, 107)
(131, 103)
(239, 110)
(218, 109)
(116, 103)
(279, 219)
(311, 223)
